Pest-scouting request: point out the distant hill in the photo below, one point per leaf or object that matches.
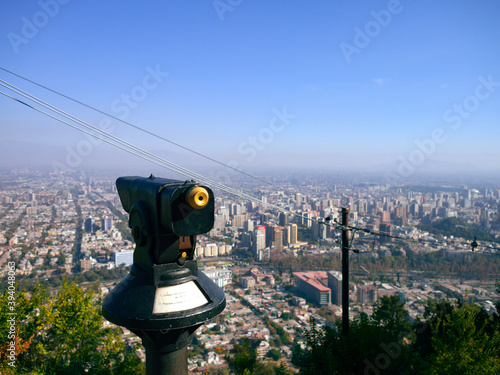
(456, 227)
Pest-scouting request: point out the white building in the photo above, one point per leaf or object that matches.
(124, 257)
(219, 276)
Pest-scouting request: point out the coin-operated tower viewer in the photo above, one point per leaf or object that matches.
(165, 298)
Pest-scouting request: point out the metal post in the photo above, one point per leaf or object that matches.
(345, 271)
(158, 363)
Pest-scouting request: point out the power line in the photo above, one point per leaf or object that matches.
(146, 131)
(406, 239)
(139, 152)
(385, 234)
(134, 150)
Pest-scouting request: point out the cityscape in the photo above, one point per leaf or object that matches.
(279, 269)
(250, 187)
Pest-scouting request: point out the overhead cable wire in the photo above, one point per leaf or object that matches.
(146, 131)
(419, 240)
(136, 150)
(146, 155)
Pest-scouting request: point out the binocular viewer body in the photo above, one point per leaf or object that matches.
(164, 290)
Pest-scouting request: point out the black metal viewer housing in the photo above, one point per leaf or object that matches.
(165, 298)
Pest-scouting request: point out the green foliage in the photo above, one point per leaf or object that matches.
(274, 354)
(327, 313)
(452, 339)
(455, 227)
(197, 347)
(282, 370)
(460, 339)
(27, 283)
(468, 265)
(275, 329)
(305, 234)
(368, 348)
(9, 233)
(123, 228)
(244, 359)
(64, 335)
(390, 312)
(286, 316)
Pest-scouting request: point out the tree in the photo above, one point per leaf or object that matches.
(460, 339)
(216, 328)
(244, 359)
(370, 348)
(274, 354)
(390, 311)
(286, 315)
(64, 335)
(282, 370)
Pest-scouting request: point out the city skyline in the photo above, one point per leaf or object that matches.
(399, 87)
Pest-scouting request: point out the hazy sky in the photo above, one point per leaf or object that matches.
(399, 85)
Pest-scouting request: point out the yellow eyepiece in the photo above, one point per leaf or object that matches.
(197, 197)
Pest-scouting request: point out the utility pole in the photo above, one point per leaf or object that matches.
(345, 271)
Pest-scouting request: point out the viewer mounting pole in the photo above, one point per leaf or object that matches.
(345, 271)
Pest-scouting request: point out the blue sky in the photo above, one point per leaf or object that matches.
(351, 84)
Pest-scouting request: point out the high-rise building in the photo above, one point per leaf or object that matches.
(259, 239)
(238, 220)
(89, 225)
(335, 284)
(307, 221)
(319, 230)
(299, 199)
(107, 224)
(224, 211)
(265, 217)
(269, 235)
(362, 205)
(248, 226)
(286, 235)
(250, 206)
(283, 219)
(293, 234)
(385, 228)
(385, 217)
(219, 222)
(246, 239)
(367, 293)
(278, 240)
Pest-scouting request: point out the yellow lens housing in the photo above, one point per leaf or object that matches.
(197, 197)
